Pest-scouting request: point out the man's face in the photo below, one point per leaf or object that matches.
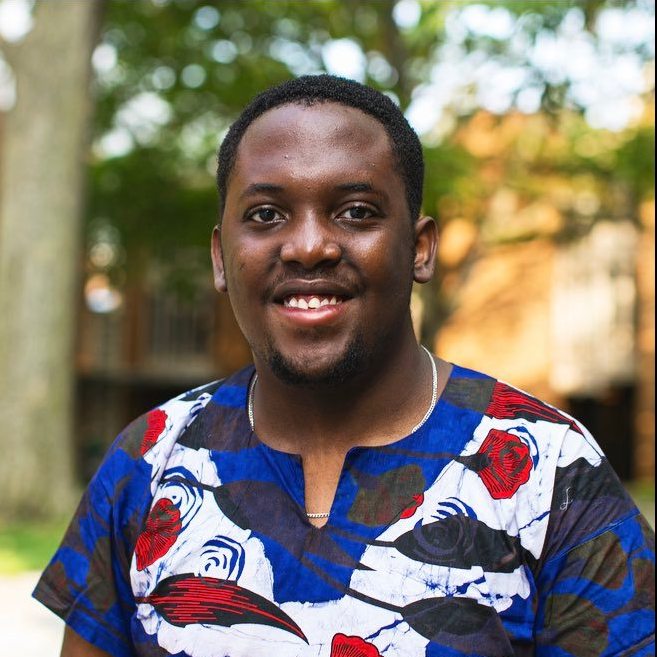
(317, 250)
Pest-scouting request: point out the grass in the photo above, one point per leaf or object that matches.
(28, 545)
(643, 493)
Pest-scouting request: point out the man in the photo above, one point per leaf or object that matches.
(351, 495)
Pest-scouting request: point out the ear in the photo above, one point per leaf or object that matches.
(426, 243)
(218, 261)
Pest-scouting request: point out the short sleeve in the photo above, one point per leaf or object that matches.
(87, 581)
(596, 583)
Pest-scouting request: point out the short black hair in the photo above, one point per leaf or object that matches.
(312, 89)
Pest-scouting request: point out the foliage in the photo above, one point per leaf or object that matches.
(198, 64)
(151, 203)
(635, 163)
(185, 68)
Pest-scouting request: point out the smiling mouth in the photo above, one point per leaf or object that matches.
(311, 302)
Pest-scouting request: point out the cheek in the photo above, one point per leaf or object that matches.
(238, 266)
(388, 262)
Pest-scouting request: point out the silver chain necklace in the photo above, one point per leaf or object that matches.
(432, 405)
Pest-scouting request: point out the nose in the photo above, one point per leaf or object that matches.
(310, 243)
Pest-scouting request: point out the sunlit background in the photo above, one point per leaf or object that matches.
(537, 120)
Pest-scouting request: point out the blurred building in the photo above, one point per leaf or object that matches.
(567, 317)
(142, 345)
(572, 325)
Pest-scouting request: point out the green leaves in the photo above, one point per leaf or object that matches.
(175, 73)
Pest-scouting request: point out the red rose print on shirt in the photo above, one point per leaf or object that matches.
(160, 533)
(352, 646)
(156, 421)
(503, 463)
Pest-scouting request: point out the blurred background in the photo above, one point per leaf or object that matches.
(537, 120)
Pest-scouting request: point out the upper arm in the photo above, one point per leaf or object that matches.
(595, 580)
(87, 582)
(597, 599)
(75, 646)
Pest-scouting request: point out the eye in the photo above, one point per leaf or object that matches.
(264, 215)
(357, 212)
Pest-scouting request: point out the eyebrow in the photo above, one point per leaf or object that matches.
(259, 188)
(355, 187)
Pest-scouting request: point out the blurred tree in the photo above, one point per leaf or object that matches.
(172, 74)
(176, 75)
(43, 163)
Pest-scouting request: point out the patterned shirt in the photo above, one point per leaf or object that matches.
(496, 529)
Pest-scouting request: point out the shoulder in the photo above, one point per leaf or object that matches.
(146, 431)
(87, 582)
(499, 400)
(130, 471)
(533, 467)
(500, 406)
(516, 437)
(147, 437)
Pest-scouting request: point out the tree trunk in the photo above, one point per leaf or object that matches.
(42, 169)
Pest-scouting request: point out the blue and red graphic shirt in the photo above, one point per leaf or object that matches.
(496, 529)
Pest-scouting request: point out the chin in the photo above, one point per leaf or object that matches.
(336, 371)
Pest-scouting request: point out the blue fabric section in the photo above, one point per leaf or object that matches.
(435, 650)
(231, 395)
(75, 564)
(632, 539)
(451, 427)
(639, 623)
(259, 463)
(518, 620)
(295, 581)
(608, 591)
(465, 373)
(646, 651)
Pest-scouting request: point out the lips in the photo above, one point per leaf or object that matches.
(311, 294)
(311, 303)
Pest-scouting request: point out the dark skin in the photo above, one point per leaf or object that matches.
(316, 207)
(75, 646)
(315, 202)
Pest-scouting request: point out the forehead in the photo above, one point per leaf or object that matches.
(310, 137)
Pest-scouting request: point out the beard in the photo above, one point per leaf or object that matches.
(348, 366)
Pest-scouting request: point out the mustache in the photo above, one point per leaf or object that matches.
(295, 272)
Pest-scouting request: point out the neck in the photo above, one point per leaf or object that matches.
(380, 405)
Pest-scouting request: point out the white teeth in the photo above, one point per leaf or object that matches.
(311, 304)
